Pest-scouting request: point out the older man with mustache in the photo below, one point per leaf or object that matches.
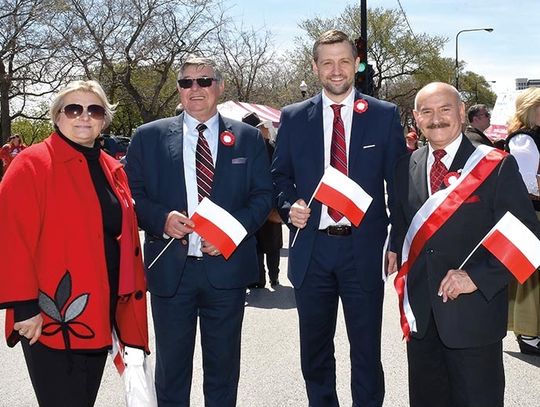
(454, 315)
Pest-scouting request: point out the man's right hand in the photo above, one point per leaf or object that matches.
(299, 214)
(178, 225)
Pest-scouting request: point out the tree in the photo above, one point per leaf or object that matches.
(393, 50)
(31, 66)
(136, 45)
(31, 130)
(243, 54)
(475, 89)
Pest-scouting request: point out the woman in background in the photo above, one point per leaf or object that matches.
(523, 142)
(72, 270)
(10, 150)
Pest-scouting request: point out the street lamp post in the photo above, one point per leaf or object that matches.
(457, 60)
(303, 88)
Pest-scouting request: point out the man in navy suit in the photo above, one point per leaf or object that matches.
(331, 259)
(192, 279)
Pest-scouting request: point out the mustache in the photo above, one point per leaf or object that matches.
(440, 125)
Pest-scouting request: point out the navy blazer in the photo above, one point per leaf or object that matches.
(242, 186)
(298, 165)
(479, 318)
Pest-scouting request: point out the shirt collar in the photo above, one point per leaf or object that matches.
(192, 123)
(451, 149)
(348, 101)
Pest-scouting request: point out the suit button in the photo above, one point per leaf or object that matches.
(184, 242)
(138, 295)
(430, 251)
(137, 251)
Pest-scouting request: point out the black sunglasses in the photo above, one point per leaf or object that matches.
(187, 83)
(74, 111)
(14, 137)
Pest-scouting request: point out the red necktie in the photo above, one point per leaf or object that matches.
(338, 152)
(438, 171)
(204, 166)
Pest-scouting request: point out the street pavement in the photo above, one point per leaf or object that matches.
(270, 373)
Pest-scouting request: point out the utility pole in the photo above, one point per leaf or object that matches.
(363, 19)
(364, 75)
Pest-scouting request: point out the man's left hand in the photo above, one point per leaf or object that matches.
(456, 282)
(209, 248)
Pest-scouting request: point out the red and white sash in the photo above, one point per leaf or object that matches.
(434, 213)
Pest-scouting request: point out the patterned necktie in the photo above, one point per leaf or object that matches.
(338, 152)
(438, 171)
(204, 166)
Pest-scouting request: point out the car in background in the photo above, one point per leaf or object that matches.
(115, 145)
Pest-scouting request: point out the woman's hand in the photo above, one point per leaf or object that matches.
(30, 328)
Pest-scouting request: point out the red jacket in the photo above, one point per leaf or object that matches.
(52, 249)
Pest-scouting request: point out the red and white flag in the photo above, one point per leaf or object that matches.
(515, 246)
(116, 354)
(341, 193)
(217, 226)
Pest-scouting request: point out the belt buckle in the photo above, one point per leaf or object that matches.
(338, 230)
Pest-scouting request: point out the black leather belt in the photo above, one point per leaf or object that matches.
(194, 257)
(337, 230)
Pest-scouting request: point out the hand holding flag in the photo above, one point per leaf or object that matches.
(217, 226)
(341, 193)
(514, 245)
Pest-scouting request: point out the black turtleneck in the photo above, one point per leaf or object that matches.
(111, 214)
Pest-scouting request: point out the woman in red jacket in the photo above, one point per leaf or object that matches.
(8, 152)
(72, 271)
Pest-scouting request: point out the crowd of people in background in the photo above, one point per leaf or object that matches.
(71, 214)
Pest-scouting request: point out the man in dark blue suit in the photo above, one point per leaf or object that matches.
(332, 259)
(192, 279)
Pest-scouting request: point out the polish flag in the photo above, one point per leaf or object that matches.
(217, 226)
(515, 246)
(116, 354)
(341, 193)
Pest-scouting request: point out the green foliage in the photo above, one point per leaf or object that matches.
(32, 130)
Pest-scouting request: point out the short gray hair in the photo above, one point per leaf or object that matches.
(81, 86)
(197, 61)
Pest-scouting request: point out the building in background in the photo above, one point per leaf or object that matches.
(524, 83)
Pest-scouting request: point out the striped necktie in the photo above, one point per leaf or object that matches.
(338, 152)
(438, 171)
(203, 164)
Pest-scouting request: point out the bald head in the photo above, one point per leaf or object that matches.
(440, 113)
(436, 87)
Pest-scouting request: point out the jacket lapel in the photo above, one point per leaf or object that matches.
(418, 177)
(174, 138)
(462, 155)
(224, 158)
(358, 130)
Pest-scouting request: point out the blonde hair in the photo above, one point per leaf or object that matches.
(525, 116)
(81, 86)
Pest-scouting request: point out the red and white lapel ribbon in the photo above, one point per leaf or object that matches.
(437, 209)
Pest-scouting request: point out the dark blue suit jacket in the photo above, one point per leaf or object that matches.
(298, 165)
(242, 186)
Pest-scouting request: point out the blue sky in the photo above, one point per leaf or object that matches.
(512, 50)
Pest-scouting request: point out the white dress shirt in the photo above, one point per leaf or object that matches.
(191, 135)
(328, 126)
(451, 151)
(525, 151)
